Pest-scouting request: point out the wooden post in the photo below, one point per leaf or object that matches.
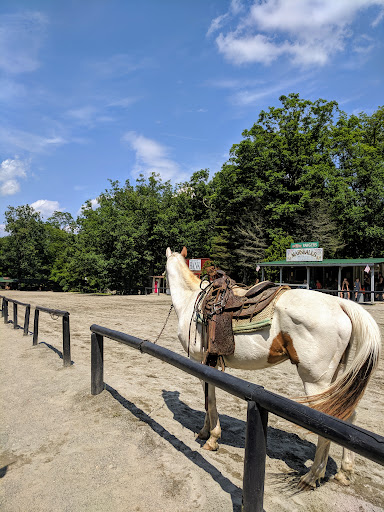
(66, 341)
(14, 315)
(97, 364)
(26, 319)
(36, 327)
(254, 459)
(5, 309)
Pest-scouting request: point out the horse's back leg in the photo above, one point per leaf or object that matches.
(344, 475)
(319, 466)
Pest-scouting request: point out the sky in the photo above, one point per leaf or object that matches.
(98, 90)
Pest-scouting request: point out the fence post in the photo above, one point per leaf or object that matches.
(26, 319)
(14, 315)
(254, 459)
(5, 309)
(97, 363)
(36, 327)
(66, 342)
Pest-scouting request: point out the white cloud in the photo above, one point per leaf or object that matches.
(10, 172)
(252, 96)
(21, 37)
(376, 21)
(309, 32)
(247, 49)
(152, 156)
(94, 203)
(19, 139)
(235, 8)
(46, 207)
(216, 24)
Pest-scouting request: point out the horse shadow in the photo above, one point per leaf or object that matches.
(194, 456)
(285, 446)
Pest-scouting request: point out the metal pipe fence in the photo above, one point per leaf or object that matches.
(260, 402)
(351, 294)
(16, 303)
(66, 332)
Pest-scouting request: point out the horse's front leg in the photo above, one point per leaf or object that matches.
(211, 429)
(317, 471)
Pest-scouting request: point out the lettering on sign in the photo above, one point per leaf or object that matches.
(195, 265)
(315, 254)
(304, 245)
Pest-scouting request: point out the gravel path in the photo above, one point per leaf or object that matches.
(134, 446)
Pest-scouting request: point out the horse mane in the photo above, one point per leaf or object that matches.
(186, 276)
(189, 277)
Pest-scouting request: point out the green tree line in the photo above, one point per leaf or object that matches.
(304, 171)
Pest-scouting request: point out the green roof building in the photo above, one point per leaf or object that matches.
(328, 275)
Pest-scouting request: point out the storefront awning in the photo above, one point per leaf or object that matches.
(360, 262)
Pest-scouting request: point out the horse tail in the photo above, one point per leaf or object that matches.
(342, 397)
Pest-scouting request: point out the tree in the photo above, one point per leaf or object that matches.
(251, 247)
(25, 248)
(356, 189)
(283, 163)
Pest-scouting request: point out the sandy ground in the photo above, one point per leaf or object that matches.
(134, 446)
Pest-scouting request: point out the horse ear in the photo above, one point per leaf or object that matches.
(169, 252)
(184, 252)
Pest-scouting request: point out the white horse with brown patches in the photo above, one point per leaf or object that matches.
(314, 331)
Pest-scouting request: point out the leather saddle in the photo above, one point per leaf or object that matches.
(221, 305)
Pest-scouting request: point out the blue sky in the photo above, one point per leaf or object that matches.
(92, 90)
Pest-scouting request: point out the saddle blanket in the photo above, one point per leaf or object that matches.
(260, 320)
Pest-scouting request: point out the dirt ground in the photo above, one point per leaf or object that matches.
(134, 446)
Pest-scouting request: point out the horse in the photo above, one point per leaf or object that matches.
(312, 330)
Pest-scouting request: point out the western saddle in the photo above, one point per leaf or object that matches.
(221, 305)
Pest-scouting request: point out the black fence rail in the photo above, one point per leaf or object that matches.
(16, 303)
(260, 402)
(66, 332)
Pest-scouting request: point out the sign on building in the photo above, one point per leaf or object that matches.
(305, 254)
(304, 245)
(195, 265)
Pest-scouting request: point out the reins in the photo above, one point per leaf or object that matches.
(165, 323)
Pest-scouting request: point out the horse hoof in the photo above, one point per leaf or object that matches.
(306, 483)
(343, 478)
(211, 446)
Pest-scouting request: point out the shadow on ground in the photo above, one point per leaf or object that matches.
(54, 349)
(281, 445)
(194, 456)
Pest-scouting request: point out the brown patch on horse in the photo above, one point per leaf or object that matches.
(282, 348)
(184, 252)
